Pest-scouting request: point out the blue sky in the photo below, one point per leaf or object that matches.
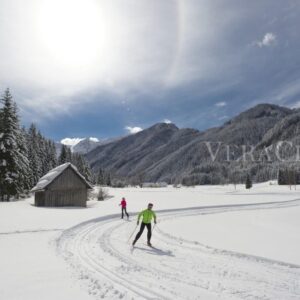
(80, 68)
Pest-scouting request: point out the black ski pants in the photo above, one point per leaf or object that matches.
(124, 210)
(143, 225)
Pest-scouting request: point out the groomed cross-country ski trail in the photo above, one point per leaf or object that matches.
(110, 268)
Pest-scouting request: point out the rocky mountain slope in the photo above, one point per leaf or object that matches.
(164, 152)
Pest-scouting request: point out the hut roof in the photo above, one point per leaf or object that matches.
(54, 173)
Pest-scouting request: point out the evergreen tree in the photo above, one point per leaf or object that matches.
(25, 155)
(291, 175)
(141, 179)
(2, 162)
(33, 155)
(100, 177)
(281, 177)
(68, 154)
(41, 151)
(50, 155)
(64, 155)
(1, 123)
(77, 161)
(248, 182)
(24, 165)
(108, 179)
(82, 166)
(87, 173)
(41, 155)
(14, 163)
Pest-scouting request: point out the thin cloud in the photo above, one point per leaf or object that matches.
(104, 53)
(287, 94)
(295, 105)
(133, 130)
(221, 104)
(268, 40)
(184, 55)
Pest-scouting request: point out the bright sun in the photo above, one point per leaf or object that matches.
(103, 42)
(72, 31)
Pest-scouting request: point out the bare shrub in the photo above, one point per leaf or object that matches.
(102, 194)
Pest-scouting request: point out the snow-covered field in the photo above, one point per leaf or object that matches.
(211, 242)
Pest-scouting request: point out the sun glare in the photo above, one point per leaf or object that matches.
(102, 42)
(72, 31)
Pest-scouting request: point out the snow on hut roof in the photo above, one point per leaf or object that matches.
(54, 173)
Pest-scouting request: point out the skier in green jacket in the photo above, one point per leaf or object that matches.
(147, 215)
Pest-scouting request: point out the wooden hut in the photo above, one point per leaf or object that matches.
(62, 186)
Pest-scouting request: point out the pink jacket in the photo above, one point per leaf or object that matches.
(123, 203)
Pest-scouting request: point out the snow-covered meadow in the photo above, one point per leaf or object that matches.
(211, 242)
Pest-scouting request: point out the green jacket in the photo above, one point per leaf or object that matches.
(147, 215)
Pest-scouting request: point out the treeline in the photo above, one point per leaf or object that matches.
(78, 161)
(217, 173)
(106, 177)
(288, 176)
(26, 155)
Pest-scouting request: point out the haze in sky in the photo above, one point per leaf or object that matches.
(105, 68)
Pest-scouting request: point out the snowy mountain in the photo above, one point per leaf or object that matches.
(136, 153)
(88, 144)
(164, 152)
(85, 145)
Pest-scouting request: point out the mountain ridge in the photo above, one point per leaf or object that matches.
(163, 152)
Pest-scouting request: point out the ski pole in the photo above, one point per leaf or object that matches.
(132, 233)
(153, 227)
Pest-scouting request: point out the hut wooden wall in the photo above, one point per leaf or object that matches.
(67, 180)
(39, 199)
(75, 197)
(68, 189)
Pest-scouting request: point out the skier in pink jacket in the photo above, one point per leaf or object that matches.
(123, 206)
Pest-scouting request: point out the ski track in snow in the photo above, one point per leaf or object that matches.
(30, 231)
(99, 252)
